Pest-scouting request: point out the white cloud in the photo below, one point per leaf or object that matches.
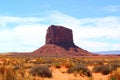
(99, 32)
(9, 19)
(4, 20)
(95, 27)
(23, 38)
(28, 33)
(96, 46)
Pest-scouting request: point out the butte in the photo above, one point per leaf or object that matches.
(59, 42)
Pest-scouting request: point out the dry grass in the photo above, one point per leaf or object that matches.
(116, 74)
(18, 68)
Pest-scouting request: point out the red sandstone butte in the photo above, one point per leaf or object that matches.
(59, 35)
(59, 42)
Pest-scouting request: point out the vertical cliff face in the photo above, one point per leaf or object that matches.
(59, 35)
(59, 42)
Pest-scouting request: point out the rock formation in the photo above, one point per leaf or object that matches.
(60, 36)
(59, 42)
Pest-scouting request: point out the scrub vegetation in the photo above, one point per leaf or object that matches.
(52, 68)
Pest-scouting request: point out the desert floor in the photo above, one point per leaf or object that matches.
(67, 68)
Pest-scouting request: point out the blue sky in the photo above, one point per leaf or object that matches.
(95, 23)
(78, 8)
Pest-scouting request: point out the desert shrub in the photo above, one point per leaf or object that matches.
(99, 62)
(116, 75)
(112, 78)
(68, 64)
(80, 69)
(10, 75)
(44, 60)
(27, 66)
(42, 71)
(7, 73)
(82, 61)
(91, 62)
(108, 68)
(95, 62)
(48, 60)
(98, 69)
(114, 65)
(104, 69)
(57, 65)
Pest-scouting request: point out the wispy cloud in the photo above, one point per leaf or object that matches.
(112, 8)
(4, 20)
(29, 32)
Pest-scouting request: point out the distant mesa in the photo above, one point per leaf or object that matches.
(59, 42)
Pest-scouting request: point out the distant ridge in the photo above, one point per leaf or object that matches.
(117, 52)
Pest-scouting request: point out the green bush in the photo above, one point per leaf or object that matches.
(80, 69)
(57, 65)
(114, 65)
(104, 69)
(42, 71)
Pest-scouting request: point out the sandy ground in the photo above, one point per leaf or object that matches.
(99, 76)
(60, 74)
